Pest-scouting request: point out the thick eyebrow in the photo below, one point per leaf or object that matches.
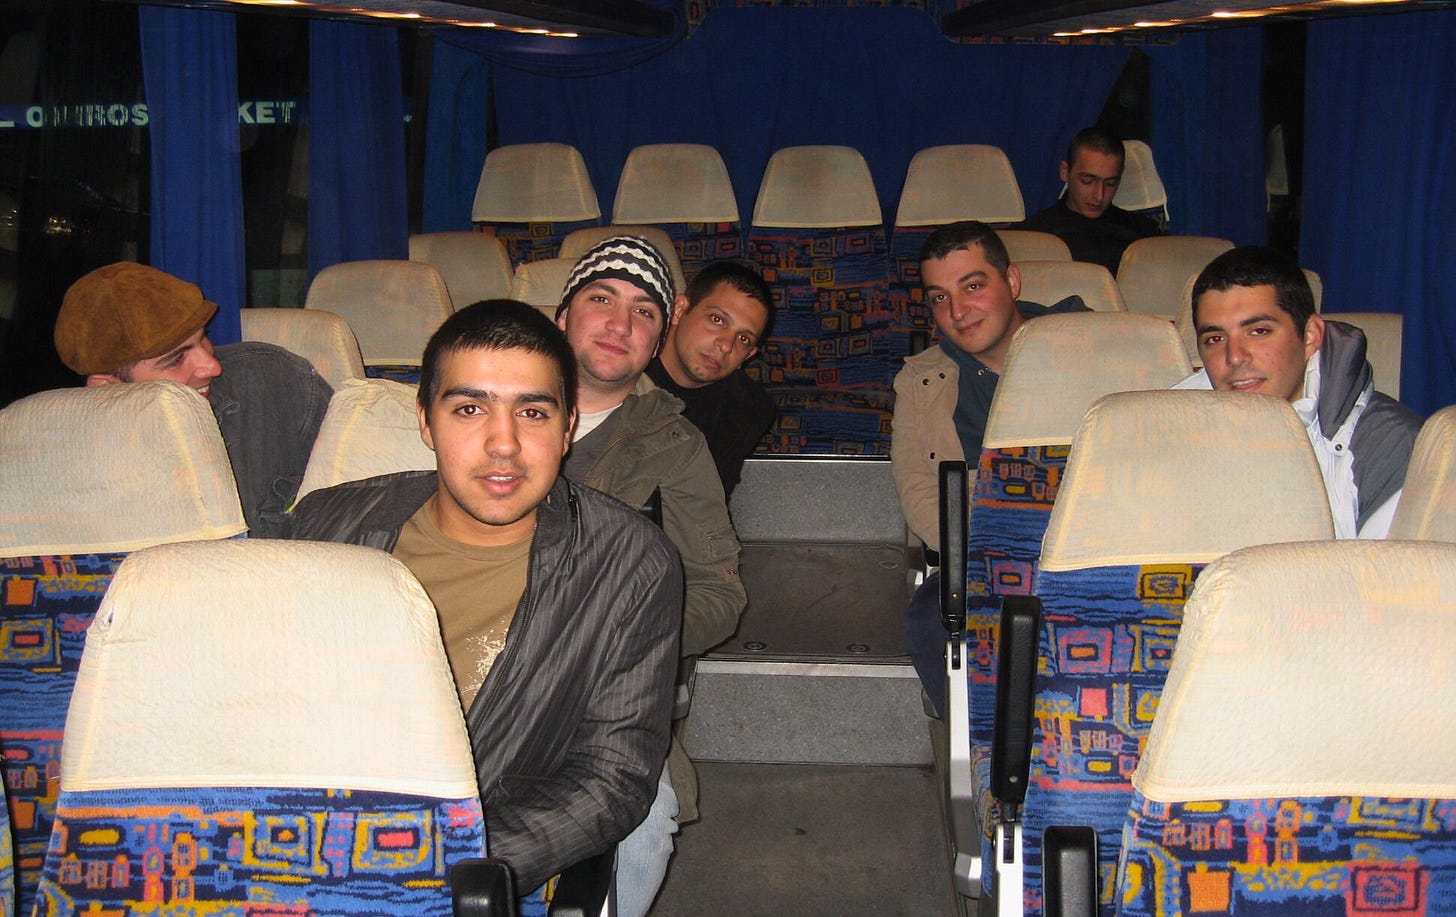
(174, 352)
(1244, 323)
(615, 291)
(963, 279)
(480, 394)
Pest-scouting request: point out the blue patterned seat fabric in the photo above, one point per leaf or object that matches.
(700, 244)
(46, 606)
(7, 854)
(834, 332)
(1341, 855)
(526, 242)
(395, 372)
(286, 851)
(1106, 645)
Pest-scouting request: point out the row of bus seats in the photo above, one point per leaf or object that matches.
(174, 691)
(1080, 553)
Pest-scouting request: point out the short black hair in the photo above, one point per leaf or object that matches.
(1098, 140)
(960, 237)
(1257, 266)
(498, 324)
(740, 277)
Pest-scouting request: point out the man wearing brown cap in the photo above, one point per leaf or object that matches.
(127, 322)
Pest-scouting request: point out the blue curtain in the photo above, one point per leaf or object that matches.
(189, 65)
(1379, 219)
(751, 81)
(1208, 133)
(454, 136)
(356, 165)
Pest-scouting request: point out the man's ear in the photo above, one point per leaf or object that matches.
(570, 431)
(561, 317)
(96, 379)
(425, 436)
(1065, 171)
(1314, 335)
(679, 306)
(1013, 280)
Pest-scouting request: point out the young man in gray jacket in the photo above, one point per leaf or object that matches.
(560, 608)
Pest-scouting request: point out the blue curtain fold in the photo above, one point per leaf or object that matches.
(189, 66)
(455, 142)
(751, 81)
(1379, 206)
(1208, 133)
(356, 164)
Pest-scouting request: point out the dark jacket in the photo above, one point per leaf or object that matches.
(1100, 241)
(570, 728)
(733, 414)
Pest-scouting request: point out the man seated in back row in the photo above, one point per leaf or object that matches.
(1258, 333)
(943, 396)
(1094, 228)
(559, 607)
(127, 322)
(720, 322)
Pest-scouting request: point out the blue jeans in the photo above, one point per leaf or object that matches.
(926, 639)
(642, 855)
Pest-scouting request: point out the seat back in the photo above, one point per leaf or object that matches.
(580, 241)
(322, 338)
(819, 240)
(1427, 508)
(1141, 188)
(392, 306)
(531, 195)
(1047, 282)
(1121, 553)
(1383, 331)
(371, 428)
(86, 476)
(541, 283)
(1184, 321)
(474, 264)
(1300, 761)
(1045, 389)
(1030, 245)
(1154, 271)
(341, 784)
(684, 189)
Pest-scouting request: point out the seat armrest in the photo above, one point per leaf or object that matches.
(954, 521)
(584, 888)
(483, 887)
(1015, 697)
(1069, 871)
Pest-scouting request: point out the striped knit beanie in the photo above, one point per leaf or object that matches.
(629, 258)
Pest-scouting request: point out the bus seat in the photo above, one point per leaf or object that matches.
(392, 306)
(1048, 282)
(541, 283)
(685, 189)
(475, 265)
(968, 181)
(1046, 387)
(1184, 322)
(1121, 552)
(1030, 245)
(819, 239)
(1303, 732)
(230, 742)
(1427, 508)
(531, 195)
(1383, 332)
(1141, 188)
(579, 242)
(322, 338)
(1153, 271)
(371, 428)
(87, 475)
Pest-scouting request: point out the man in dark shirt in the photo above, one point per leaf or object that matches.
(729, 310)
(1085, 218)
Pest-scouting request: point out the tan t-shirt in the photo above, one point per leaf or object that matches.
(475, 591)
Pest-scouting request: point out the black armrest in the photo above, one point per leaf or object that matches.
(1015, 695)
(954, 521)
(583, 888)
(483, 888)
(1069, 871)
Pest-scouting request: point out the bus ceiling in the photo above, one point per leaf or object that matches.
(1081, 18)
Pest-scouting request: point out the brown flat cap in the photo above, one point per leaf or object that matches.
(125, 312)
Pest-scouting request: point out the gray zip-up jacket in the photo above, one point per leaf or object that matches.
(570, 728)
